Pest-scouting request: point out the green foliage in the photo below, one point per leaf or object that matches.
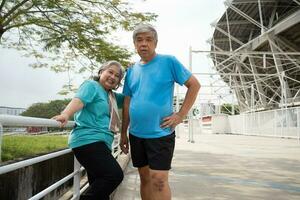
(226, 109)
(68, 35)
(46, 110)
(22, 146)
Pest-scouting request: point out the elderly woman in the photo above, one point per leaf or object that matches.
(96, 121)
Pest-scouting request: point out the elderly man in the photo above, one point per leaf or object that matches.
(148, 108)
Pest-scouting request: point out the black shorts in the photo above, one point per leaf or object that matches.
(155, 152)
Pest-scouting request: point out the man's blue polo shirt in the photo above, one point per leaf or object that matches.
(151, 88)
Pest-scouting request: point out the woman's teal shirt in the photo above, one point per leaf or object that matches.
(92, 121)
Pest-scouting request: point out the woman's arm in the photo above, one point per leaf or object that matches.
(74, 106)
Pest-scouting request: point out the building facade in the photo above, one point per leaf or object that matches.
(11, 110)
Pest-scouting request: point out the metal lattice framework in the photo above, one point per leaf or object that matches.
(256, 50)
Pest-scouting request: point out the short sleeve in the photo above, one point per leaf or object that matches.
(126, 88)
(180, 73)
(120, 99)
(86, 92)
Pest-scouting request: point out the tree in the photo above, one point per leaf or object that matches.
(73, 35)
(46, 110)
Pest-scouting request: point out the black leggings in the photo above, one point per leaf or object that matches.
(104, 172)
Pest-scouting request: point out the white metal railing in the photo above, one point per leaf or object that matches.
(25, 163)
(283, 122)
(15, 121)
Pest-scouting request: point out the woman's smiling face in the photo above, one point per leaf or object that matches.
(110, 77)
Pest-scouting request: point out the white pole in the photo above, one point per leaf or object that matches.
(252, 97)
(219, 106)
(275, 122)
(252, 108)
(190, 114)
(244, 123)
(177, 108)
(298, 124)
(282, 101)
(76, 180)
(232, 98)
(1, 137)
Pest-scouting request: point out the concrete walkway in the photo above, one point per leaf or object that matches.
(233, 167)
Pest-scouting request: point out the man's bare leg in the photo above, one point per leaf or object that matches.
(160, 188)
(145, 187)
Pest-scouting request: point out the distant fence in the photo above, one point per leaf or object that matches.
(275, 123)
(18, 121)
(283, 123)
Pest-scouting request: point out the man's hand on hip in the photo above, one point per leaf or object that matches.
(171, 121)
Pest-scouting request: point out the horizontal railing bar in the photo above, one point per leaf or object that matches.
(12, 120)
(86, 185)
(11, 167)
(115, 154)
(54, 186)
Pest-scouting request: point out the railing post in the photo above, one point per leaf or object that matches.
(192, 130)
(190, 113)
(244, 124)
(189, 126)
(298, 123)
(1, 137)
(76, 180)
(275, 122)
(177, 109)
(281, 130)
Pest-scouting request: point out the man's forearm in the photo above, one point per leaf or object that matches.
(125, 123)
(125, 116)
(193, 88)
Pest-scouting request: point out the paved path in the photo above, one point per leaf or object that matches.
(228, 167)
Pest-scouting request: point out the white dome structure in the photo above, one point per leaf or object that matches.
(256, 50)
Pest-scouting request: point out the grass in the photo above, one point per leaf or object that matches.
(22, 146)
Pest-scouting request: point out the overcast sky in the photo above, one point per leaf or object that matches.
(180, 24)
